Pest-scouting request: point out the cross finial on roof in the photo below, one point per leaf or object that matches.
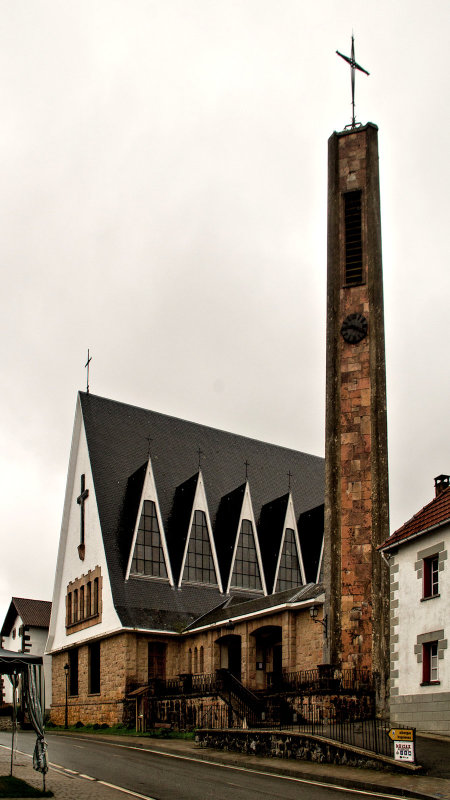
(353, 65)
(200, 454)
(289, 479)
(149, 446)
(89, 359)
(247, 464)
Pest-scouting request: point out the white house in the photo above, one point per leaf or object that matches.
(420, 616)
(25, 630)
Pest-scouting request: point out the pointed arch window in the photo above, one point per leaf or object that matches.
(246, 574)
(199, 564)
(289, 573)
(148, 556)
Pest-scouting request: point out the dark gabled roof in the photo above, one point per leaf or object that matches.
(309, 524)
(228, 611)
(434, 514)
(117, 436)
(35, 613)
(271, 524)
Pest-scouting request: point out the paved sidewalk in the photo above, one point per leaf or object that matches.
(67, 786)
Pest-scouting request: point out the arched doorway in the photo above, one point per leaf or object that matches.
(269, 655)
(230, 654)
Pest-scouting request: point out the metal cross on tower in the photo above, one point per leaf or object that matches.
(353, 65)
(89, 359)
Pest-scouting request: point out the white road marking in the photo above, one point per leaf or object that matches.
(308, 781)
(126, 791)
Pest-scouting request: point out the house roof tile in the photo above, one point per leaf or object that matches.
(434, 514)
(35, 613)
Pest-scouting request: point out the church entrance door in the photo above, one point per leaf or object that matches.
(230, 654)
(156, 660)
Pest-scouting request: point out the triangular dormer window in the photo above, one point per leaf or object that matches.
(246, 569)
(149, 556)
(200, 563)
(246, 573)
(289, 573)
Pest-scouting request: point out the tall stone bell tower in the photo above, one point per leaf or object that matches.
(356, 493)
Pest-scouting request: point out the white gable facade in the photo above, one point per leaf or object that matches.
(420, 614)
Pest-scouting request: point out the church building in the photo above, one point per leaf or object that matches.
(187, 552)
(184, 550)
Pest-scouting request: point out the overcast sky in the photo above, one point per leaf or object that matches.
(163, 202)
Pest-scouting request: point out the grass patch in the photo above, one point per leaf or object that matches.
(121, 730)
(14, 787)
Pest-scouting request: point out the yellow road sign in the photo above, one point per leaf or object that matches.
(401, 735)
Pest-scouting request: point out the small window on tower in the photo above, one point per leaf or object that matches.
(353, 239)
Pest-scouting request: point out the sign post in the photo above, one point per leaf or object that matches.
(404, 743)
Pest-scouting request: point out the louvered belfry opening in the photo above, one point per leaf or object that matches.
(353, 239)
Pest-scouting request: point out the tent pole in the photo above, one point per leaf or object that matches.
(14, 720)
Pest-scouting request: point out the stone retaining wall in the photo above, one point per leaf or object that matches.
(304, 747)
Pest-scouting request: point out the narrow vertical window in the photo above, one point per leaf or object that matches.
(353, 238)
(73, 672)
(89, 599)
(69, 609)
(94, 668)
(189, 669)
(202, 659)
(95, 609)
(431, 576)
(75, 605)
(430, 663)
(82, 612)
(195, 660)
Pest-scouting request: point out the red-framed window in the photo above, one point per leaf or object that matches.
(430, 663)
(431, 576)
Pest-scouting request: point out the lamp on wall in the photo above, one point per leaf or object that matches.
(66, 715)
(313, 611)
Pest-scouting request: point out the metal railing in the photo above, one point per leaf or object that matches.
(320, 681)
(329, 681)
(368, 734)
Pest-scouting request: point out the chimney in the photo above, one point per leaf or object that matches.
(441, 482)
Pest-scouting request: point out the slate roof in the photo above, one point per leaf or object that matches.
(118, 449)
(228, 610)
(35, 613)
(434, 514)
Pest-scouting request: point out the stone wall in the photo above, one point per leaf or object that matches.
(276, 744)
(425, 712)
(123, 667)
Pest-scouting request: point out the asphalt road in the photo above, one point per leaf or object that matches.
(159, 776)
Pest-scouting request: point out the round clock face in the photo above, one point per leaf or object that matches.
(354, 328)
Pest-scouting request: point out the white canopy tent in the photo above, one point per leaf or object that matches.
(29, 667)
